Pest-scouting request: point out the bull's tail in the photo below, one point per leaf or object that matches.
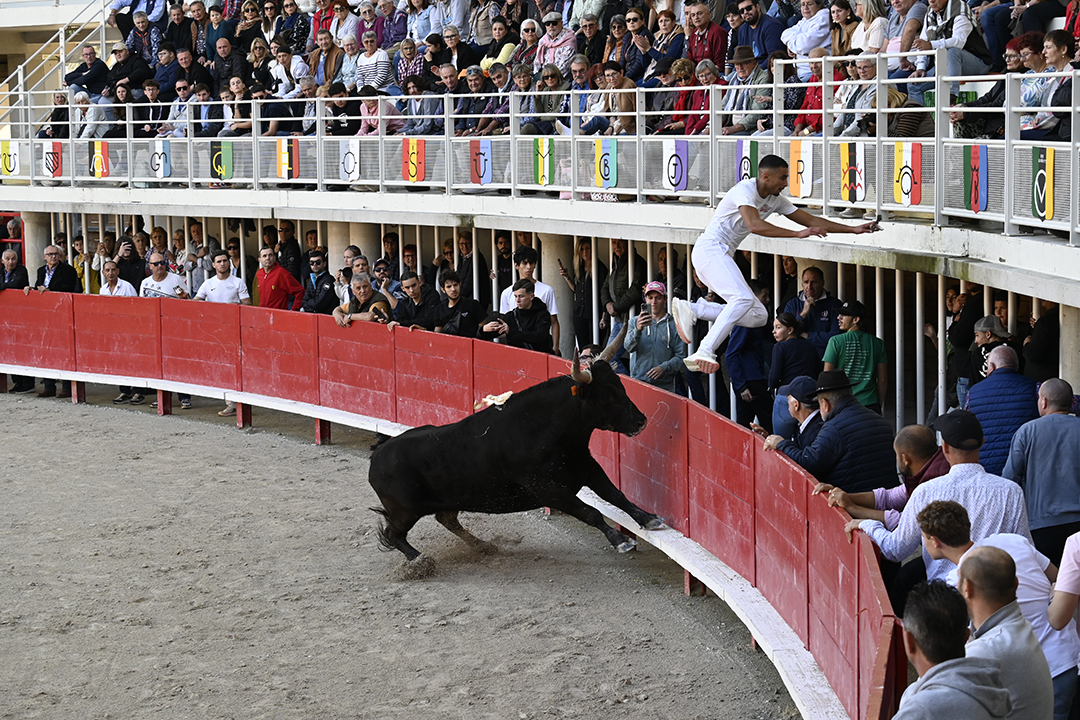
(384, 529)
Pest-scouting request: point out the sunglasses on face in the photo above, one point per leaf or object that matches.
(743, 11)
(549, 23)
(528, 30)
(682, 78)
(159, 263)
(550, 77)
(633, 19)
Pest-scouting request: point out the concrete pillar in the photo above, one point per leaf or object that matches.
(336, 240)
(1070, 344)
(555, 248)
(365, 236)
(37, 235)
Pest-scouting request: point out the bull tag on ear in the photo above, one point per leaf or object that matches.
(573, 389)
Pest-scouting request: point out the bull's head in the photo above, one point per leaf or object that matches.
(608, 407)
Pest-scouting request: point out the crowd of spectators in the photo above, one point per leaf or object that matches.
(408, 59)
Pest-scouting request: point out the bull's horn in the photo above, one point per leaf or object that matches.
(583, 377)
(615, 344)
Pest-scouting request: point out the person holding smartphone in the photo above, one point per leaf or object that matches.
(656, 350)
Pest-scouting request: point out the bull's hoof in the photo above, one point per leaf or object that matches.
(420, 567)
(625, 547)
(656, 523)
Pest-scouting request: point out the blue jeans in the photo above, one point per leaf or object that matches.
(995, 25)
(620, 361)
(899, 73)
(595, 126)
(963, 385)
(959, 62)
(782, 423)
(1064, 692)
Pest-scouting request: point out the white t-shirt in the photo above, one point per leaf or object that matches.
(543, 291)
(164, 288)
(727, 228)
(864, 38)
(123, 289)
(1061, 647)
(230, 290)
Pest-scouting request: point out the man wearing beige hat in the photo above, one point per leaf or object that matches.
(557, 46)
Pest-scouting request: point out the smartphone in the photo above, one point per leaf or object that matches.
(559, 260)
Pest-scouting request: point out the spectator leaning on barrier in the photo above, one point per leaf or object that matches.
(419, 306)
(987, 580)
(319, 296)
(525, 260)
(802, 405)
(946, 533)
(1003, 402)
(457, 314)
(163, 284)
(527, 325)
(950, 684)
(1044, 459)
(995, 505)
(366, 305)
(853, 450)
(951, 25)
(656, 350)
(15, 277)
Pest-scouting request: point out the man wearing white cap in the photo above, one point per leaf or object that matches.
(557, 46)
(656, 350)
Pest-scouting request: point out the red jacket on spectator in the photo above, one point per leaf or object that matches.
(697, 122)
(709, 45)
(275, 287)
(812, 101)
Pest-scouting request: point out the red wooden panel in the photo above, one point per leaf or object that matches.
(118, 336)
(557, 366)
(356, 368)
(200, 343)
(878, 688)
(653, 470)
(434, 377)
(833, 599)
(780, 532)
(39, 330)
(721, 476)
(605, 450)
(281, 354)
(500, 368)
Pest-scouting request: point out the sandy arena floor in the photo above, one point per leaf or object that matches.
(179, 568)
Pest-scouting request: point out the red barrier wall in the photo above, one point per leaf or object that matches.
(118, 336)
(200, 344)
(750, 508)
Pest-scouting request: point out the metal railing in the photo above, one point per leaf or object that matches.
(935, 176)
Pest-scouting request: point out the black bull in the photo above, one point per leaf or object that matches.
(530, 452)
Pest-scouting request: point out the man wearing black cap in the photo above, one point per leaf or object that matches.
(853, 450)
(860, 355)
(803, 406)
(994, 504)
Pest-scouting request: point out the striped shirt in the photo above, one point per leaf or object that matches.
(994, 505)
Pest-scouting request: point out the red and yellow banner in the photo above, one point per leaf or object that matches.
(99, 159)
(412, 160)
(288, 159)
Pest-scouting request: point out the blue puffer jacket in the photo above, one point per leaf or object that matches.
(853, 450)
(1003, 402)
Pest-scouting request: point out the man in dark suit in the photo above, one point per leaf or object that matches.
(319, 295)
(151, 112)
(55, 276)
(207, 120)
(16, 278)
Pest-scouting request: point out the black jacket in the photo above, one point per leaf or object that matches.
(463, 319)
(424, 313)
(1041, 353)
(319, 297)
(465, 272)
(583, 290)
(134, 69)
(90, 78)
(619, 289)
(529, 329)
(215, 120)
(18, 280)
(152, 114)
(226, 69)
(289, 257)
(806, 437)
(196, 74)
(853, 450)
(64, 279)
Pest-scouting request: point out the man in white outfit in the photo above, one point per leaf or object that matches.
(742, 211)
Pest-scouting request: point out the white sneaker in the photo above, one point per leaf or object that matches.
(683, 313)
(561, 128)
(851, 213)
(702, 361)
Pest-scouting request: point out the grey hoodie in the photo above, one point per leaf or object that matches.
(968, 688)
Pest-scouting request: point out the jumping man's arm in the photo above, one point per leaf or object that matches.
(813, 221)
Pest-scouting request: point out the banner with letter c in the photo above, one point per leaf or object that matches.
(607, 162)
(99, 159)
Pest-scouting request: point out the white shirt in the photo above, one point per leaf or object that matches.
(163, 288)
(727, 228)
(543, 291)
(994, 504)
(1033, 594)
(123, 289)
(230, 290)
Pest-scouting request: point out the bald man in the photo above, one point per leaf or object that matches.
(987, 580)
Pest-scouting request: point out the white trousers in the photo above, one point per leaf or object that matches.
(720, 274)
